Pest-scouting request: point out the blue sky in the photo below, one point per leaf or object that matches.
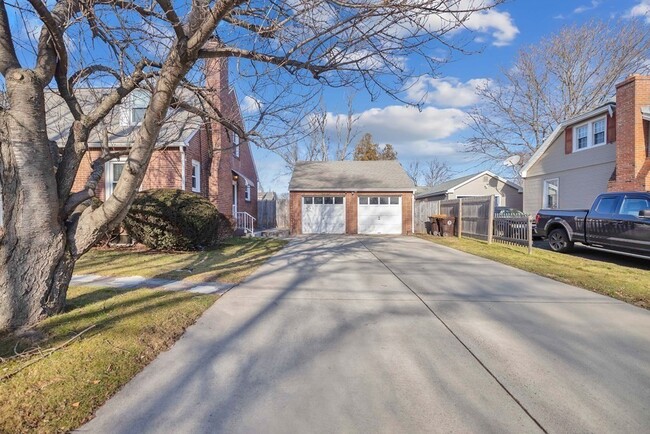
(439, 130)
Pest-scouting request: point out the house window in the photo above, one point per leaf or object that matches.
(114, 171)
(599, 132)
(235, 142)
(139, 101)
(582, 136)
(590, 134)
(551, 193)
(247, 193)
(196, 176)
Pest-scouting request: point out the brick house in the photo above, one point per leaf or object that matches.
(191, 155)
(605, 149)
(350, 197)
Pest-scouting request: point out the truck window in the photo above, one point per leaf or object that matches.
(632, 205)
(607, 205)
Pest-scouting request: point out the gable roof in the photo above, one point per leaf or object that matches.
(608, 107)
(452, 184)
(350, 176)
(177, 129)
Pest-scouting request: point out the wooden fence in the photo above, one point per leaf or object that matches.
(266, 211)
(282, 213)
(422, 212)
(475, 218)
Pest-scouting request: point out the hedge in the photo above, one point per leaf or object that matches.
(167, 219)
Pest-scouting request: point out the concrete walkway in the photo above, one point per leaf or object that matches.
(382, 334)
(133, 282)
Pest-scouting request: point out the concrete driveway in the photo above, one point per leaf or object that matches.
(396, 334)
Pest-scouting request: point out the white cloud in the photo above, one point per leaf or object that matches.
(584, 8)
(446, 92)
(413, 133)
(642, 9)
(250, 105)
(499, 24)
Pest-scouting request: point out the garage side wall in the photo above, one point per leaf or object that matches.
(351, 209)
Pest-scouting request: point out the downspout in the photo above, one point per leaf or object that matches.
(182, 148)
(413, 213)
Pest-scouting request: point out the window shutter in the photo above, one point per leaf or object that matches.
(568, 140)
(611, 128)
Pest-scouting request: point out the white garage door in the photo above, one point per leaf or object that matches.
(323, 215)
(380, 214)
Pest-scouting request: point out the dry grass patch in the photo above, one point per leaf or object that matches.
(627, 282)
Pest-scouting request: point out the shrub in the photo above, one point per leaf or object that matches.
(167, 219)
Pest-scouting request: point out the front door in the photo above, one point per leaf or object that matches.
(234, 198)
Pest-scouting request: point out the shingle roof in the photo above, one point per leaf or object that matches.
(178, 127)
(350, 176)
(443, 186)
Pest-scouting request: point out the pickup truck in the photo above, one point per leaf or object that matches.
(616, 221)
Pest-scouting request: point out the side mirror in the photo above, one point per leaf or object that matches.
(644, 213)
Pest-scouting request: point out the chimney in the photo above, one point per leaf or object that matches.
(632, 162)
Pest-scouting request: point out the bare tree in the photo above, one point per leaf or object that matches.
(414, 171)
(282, 48)
(345, 130)
(436, 172)
(571, 72)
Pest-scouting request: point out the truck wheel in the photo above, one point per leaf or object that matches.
(559, 241)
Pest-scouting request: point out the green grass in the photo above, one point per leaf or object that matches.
(623, 280)
(231, 263)
(60, 392)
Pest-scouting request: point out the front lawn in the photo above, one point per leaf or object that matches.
(624, 282)
(231, 263)
(123, 331)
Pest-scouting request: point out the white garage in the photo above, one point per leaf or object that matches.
(350, 197)
(380, 215)
(323, 215)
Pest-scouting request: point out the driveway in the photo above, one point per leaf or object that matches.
(396, 334)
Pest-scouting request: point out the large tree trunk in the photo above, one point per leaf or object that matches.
(35, 265)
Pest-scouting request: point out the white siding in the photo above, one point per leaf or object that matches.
(491, 187)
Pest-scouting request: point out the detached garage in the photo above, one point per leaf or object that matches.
(351, 197)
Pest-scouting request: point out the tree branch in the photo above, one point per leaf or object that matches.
(8, 58)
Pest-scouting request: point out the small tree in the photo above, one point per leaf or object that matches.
(571, 72)
(388, 153)
(367, 149)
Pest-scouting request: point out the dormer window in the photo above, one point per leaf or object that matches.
(590, 134)
(138, 103)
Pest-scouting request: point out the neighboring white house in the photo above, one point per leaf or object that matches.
(485, 183)
(604, 149)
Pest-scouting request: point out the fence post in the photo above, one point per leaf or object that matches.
(459, 219)
(490, 227)
(530, 235)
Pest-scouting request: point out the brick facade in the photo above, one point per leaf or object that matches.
(211, 146)
(632, 162)
(351, 209)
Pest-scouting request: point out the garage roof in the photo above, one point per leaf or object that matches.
(350, 176)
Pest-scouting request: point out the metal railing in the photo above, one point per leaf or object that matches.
(245, 221)
(515, 229)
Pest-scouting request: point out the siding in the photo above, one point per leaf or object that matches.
(555, 160)
(479, 187)
(583, 175)
(578, 187)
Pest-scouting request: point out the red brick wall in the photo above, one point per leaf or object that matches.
(632, 164)
(224, 162)
(164, 171)
(351, 209)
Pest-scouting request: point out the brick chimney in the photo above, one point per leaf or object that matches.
(632, 162)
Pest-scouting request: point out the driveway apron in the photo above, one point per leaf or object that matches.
(395, 334)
